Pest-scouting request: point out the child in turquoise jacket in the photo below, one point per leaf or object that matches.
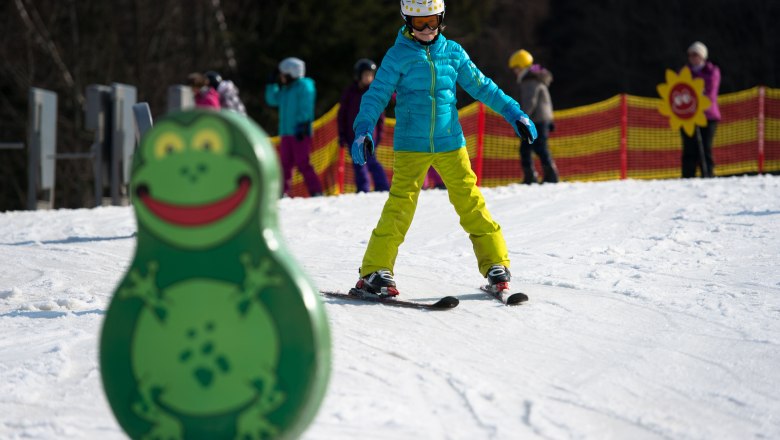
(423, 68)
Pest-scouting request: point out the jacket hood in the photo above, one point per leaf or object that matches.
(538, 73)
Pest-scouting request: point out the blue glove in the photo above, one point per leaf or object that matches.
(523, 125)
(362, 148)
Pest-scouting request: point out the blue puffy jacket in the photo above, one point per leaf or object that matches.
(425, 79)
(296, 104)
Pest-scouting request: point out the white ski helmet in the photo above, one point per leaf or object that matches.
(421, 8)
(292, 66)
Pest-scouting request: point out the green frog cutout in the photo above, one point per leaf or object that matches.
(214, 332)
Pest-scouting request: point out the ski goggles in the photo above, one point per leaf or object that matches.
(419, 24)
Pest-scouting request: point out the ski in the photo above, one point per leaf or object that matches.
(445, 303)
(510, 299)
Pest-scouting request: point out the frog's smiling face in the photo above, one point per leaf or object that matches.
(191, 188)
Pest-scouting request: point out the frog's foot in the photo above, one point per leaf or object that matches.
(164, 425)
(165, 431)
(269, 397)
(253, 425)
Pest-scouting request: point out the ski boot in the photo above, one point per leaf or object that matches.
(529, 175)
(379, 283)
(550, 174)
(498, 278)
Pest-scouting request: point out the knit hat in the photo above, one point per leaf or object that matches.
(699, 48)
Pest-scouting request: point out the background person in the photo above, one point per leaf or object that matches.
(227, 91)
(433, 180)
(203, 94)
(294, 94)
(692, 150)
(532, 90)
(364, 72)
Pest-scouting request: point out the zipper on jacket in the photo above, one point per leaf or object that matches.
(433, 95)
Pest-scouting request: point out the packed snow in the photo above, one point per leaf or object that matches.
(654, 313)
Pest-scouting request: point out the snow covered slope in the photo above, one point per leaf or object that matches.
(654, 313)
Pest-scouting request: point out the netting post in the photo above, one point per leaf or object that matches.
(340, 171)
(480, 141)
(623, 136)
(761, 127)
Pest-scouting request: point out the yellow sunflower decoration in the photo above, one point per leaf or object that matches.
(683, 101)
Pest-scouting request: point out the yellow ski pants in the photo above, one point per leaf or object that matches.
(409, 170)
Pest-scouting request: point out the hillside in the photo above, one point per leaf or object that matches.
(654, 313)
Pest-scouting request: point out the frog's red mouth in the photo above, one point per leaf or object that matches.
(195, 215)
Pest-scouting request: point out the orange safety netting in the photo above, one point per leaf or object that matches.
(622, 137)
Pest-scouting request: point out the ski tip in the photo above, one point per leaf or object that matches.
(516, 298)
(510, 299)
(447, 302)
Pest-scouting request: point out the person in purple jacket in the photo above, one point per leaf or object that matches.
(364, 72)
(692, 151)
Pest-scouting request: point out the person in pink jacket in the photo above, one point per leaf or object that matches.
(205, 96)
(692, 151)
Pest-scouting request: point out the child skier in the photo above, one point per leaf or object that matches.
(423, 67)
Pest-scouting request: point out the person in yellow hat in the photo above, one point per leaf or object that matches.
(532, 90)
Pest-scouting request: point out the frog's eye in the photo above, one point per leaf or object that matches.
(167, 144)
(209, 141)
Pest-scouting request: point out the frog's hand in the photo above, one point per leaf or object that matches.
(259, 278)
(145, 288)
(164, 425)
